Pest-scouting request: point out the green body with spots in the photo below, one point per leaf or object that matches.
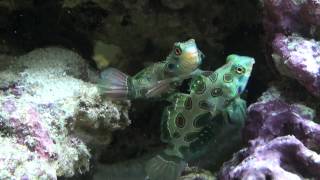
(156, 80)
(183, 61)
(188, 124)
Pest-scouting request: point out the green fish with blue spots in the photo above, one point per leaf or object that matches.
(190, 122)
(157, 79)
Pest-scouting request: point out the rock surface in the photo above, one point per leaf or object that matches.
(291, 16)
(42, 97)
(298, 58)
(283, 142)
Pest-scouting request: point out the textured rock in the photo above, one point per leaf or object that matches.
(97, 119)
(283, 142)
(16, 161)
(299, 59)
(281, 158)
(291, 16)
(42, 95)
(272, 117)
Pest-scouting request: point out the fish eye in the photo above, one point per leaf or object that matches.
(239, 70)
(177, 51)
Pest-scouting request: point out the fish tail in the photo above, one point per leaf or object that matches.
(114, 84)
(166, 167)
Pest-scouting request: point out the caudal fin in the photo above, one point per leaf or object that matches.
(161, 167)
(114, 84)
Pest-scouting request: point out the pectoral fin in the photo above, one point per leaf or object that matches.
(159, 88)
(163, 86)
(236, 112)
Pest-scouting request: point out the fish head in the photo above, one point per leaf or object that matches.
(185, 57)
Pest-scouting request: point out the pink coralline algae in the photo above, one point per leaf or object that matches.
(299, 59)
(43, 141)
(283, 143)
(30, 131)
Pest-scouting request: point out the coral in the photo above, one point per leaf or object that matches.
(41, 99)
(283, 142)
(299, 59)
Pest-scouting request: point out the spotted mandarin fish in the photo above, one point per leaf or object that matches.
(157, 79)
(188, 124)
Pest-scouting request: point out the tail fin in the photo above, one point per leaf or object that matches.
(164, 167)
(114, 84)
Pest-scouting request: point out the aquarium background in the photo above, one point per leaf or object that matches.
(54, 123)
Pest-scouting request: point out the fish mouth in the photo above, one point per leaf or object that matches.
(189, 62)
(190, 56)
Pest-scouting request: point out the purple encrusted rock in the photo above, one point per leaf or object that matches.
(299, 59)
(281, 158)
(310, 12)
(283, 142)
(290, 16)
(281, 16)
(270, 119)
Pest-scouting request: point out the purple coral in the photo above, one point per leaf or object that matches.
(298, 58)
(282, 143)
